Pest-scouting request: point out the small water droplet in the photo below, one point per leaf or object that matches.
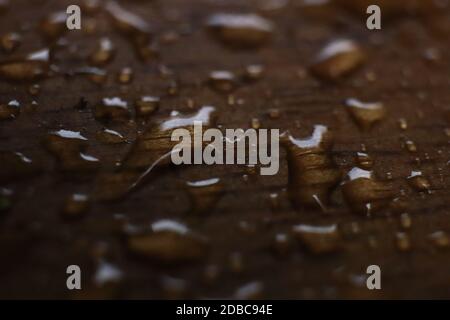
(403, 123)
(113, 108)
(169, 242)
(54, 25)
(274, 113)
(364, 161)
(236, 261)
(366, 114)
(11, 110)
(253, 72)
(104, 53)
(410, 146)
(5, 199)
(440, 239)
(107, 273)
(125, 76)
(204, 195)
(222, 81)
(255, 123)
(318, 239)
(402, 241)
(282, 244)
(75, 206)
(240, 30)
(10, 41)
(108, 136)
(252, 290)
(418, 181)
(338, 59)
(15, 165)
(405, 221)
(146, 105)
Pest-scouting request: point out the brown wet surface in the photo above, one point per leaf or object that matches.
(364, 174)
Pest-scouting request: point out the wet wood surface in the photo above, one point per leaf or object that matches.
(249, 231)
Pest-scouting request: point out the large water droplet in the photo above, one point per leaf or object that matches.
(312, 172)
(152, 149)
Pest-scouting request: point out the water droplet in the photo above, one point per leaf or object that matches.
(403, 242)
(75, 206)
(68, 146)
(146, 105)
(363, 193)
(338, 59)
(255, 123)
(155, 142)
(318, 239)
(112, 109)
(125, 76)
(274, 199)
(252, 290)
(10, 42)
(174, 288)
(34, 89)
(169, 242)
(312, 172)
(364, 161)
(108, 136)
(403, 123)
(11, 110)
(211, 273)
(440, 239)
(54, 25)
(151, 150)
(366, 114)
(282, 244)
(30, 67)
(104, 53)
(410, 146)
(107, 273)
(128, 22)
(236, 261)
(418, 181)
(405, 221)
(15, 165)
(253, 72)
(135, 28)
(204, 195)
(240, 30)
(274, 113)
(222, 81)
(5, 199)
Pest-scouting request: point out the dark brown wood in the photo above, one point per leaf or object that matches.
(37, 243)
